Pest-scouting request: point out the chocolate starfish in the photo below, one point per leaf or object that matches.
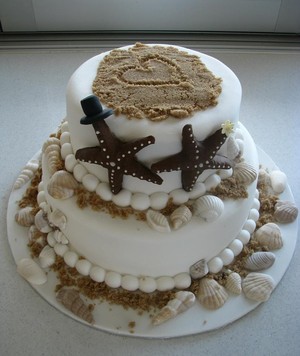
(195, 157)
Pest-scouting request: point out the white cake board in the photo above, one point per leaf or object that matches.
(115, 319)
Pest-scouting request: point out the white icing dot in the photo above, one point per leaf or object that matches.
(97, 133)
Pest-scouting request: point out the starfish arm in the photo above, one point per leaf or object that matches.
(169, 164)
(214, 142)
(105, 137)
(188, 139)
(189, 178)
(90, 155)
(222, 162)
(115, 180)
(138, 170)
(139, 144)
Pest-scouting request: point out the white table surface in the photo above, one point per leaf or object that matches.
(32, 104)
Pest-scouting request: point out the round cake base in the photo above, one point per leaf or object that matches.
(115, 319)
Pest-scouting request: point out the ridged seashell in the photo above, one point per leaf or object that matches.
(180, 216)
(234, 283)
(25, 216)
(31, 271)
(53, 158)
(211, 294)
(244, 173)
(278, 181)
(58, 219)
(70, 298)
(41, 222)
(233, 149)
(199, 269)
(62, 185)
(183, 301)
(59, 237)
(285, 211)
(50, 141)
(269, 235)
(47, 257)
(157, 221)
(26, 173)
(263, 177)
(259, 261)
(208, 207)
(258, 286)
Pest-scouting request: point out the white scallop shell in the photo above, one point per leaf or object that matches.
(47, 257)
(58, 219)
(199, 269)
(208, 207)
(233, 149)
(258, 286)
(157, 221)
(26, 173)
(59, 237)
(183, 301)
(244, 173)
(259, 261)
(24, 216)
(41, 222)
(62, 185)
(269, 235)
(211, 294)
(31, 271)
(285, 211)
(180, 216)
(278, 181)
(234, 283)
(263, 177)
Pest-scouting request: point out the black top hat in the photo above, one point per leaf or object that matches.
(93, 110)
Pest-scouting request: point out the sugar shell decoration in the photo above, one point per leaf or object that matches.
(211, 294)
(245, 173)
(285, 212)
(31, 271)
(234, 283)
(258, 286)
(62, 185)
(157, 221)
(180, 216)
(25, 216)
(26, 174)
(208, 207)
(269, 236)
(259, 261)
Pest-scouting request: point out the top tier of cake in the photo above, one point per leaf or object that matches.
(167, 76)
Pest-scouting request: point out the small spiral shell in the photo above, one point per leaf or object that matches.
(157, 221)
(26, 174)
(180, 216)
(208, 207)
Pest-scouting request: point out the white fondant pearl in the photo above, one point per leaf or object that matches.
(90, 182)
(254, 214)
(147, 284)
(97, 274)
(113, 279)
(227, 256)
(140, 201)
(64, 127)
(256, 204)
(79, 172)
(182, 280)
(45, 207)
(41, 197)
(215, 265)
(198, 190)
(41, 186)
(104, 192)
(60, 249)
(50, 239)
(66, 149)
(236, 247)
(70, 162)
(159, 200)
(123, 198)
(65, 138)
(256, 194)
(212, 181)
(249, 225)
(165, 283)
(241, 145)
(83, 267)
(278, 181)
(225, 173)
(179, 196)
(244, 236)
(71, 258)
(130, 282)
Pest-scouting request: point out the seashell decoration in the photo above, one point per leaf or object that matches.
(41, 222)
(183, 301)
(59, 237)
(47, 257)
(62, 185)
(157, 221)
(50, 141)
(208, 207)
(233, 149)
(263, 177)
(199, 269)
(278, 180)
(31, 271)
(269, 235)
(70, 299)
(25, 216)
(211, 294)
(258, 286)
(180, 216)
(234, 283)
(26, 173)
(53, 155)
(244, 173)
(285, 211)
(259, 261)
(58, 219)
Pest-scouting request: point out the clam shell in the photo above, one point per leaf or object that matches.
(233, 149)
(180, 216)
(26, 173)
(199, 269)
(269, 235)
(208, 207)
(62, 185)
(41, 222)
(157, 221)
(258, 286)
(234, 283)
(25, 216)
(211, 294)
(59, 237)
(58, 219)
(31, 271)
(259, 261)
(278, 180)
(285, 211)
(244, 173)
(47, 257)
